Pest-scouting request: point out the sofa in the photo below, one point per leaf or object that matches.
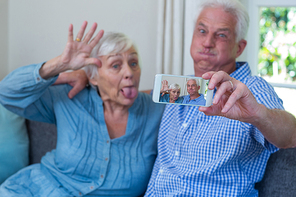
(279, 178)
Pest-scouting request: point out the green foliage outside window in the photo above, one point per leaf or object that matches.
(277, 54)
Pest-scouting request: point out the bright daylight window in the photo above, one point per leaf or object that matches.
(277, 54)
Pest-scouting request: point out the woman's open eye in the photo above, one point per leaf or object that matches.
(115, 66)
(134, 64)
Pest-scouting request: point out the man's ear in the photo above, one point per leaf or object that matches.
(241, 47)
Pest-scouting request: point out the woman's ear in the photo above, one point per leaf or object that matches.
(93, 81)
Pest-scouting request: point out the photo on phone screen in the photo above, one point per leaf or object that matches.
(182, 90)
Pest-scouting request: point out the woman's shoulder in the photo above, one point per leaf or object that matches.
(62, 91)
(164, 98)
(144, 97)
(179, 100)
(145, 100)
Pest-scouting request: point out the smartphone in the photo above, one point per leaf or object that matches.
(181, 90)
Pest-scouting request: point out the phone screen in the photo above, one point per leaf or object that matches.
(181, 90)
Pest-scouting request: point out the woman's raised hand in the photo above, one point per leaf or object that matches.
(77, 52)
(164, 87)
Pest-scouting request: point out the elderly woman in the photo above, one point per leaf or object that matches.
(170, 94)
(107, 133)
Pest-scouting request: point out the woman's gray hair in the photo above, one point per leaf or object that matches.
(174, 86)
(233, 7)
(111, 42)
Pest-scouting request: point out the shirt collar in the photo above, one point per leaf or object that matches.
(242, 71)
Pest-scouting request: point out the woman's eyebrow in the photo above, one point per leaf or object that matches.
(133, 54)
(113, 55)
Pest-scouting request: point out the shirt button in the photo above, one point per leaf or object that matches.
(106, 159)
(91, 187)
(102, 176)
(107, 141)
(38, 78)
(184, 125)
(161, 171)
(79, 193)
(177, 153)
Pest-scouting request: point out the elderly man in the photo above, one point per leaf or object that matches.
(194, 97)
(220, 150)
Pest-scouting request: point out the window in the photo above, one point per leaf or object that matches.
(277, 52)
(272, 41)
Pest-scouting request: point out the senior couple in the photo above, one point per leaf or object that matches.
(107, 133)
(171, 93)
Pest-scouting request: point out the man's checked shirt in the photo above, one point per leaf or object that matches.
(201, 155)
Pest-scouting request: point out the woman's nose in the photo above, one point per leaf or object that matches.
(128, 72)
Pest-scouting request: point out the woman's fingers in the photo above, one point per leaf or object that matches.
(88, 36)
(93, 61)
(70, 33)
(90, 33)
(95, 41)
(81, 31)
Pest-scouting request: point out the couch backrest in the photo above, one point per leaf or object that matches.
(279, 178)
(43, 138)
(280, 175)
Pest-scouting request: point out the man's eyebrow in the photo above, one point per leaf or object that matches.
(201, 24)
(219, 29)
(224, 29)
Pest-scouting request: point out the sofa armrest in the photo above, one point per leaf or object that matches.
(280, 175)
(42, 137)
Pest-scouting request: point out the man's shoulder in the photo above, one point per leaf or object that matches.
(185, 96)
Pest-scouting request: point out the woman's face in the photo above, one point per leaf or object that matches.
(118, 77)
(174, 94)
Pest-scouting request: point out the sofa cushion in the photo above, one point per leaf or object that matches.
(14, 143)
(280, 175)
(43, 138)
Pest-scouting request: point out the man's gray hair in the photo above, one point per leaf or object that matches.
(192, 79)
(175, 86)
(233, 7)
(111, 42)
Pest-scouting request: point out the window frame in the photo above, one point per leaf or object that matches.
(252, 49)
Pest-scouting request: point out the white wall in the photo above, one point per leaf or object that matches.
(3, 38)
(38, 29)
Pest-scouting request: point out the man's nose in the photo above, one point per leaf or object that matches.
(209, 41)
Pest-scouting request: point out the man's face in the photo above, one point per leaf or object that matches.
(192, 88)
(213, 46)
